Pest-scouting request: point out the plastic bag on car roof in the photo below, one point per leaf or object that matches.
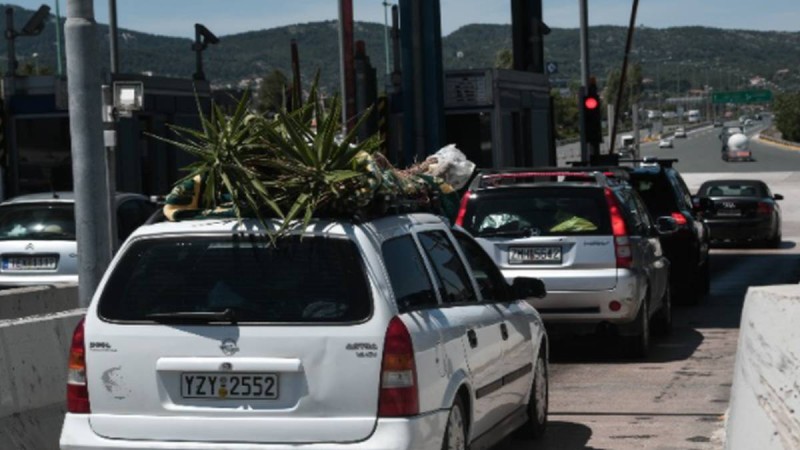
(451, 165)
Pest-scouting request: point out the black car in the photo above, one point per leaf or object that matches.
(665, 194)
(741, 211)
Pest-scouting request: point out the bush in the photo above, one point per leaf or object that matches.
(787, 115)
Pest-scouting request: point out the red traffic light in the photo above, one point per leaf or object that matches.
(591, 103)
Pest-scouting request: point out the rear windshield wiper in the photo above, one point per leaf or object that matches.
(228, 315)
(525, 232)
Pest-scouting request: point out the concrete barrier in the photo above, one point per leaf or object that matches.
(33, 365)
(765, 397)
(37, 301)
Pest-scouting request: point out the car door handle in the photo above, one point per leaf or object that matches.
(504, 331)
(472, 338)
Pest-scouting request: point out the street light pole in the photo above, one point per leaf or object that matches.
(584, 36)
(112, 35)
(88, 158)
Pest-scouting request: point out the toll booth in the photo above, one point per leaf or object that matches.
(500, 118)
(36, 142)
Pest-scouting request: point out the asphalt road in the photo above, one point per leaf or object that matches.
(678, 397)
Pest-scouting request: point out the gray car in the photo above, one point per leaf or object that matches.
(591, 240)
(37, 236)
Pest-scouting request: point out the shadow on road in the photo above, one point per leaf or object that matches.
(559, 436)
(680, 345)
(785, 245)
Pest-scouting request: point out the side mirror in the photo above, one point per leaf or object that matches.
(666, 225)
(777, 197)
(528, 287)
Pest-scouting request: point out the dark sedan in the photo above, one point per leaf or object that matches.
(739, 211)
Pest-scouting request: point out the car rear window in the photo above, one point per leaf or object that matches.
(539, 212)
(308, 280)
(732, 189)
(37, 221)
(656, 192)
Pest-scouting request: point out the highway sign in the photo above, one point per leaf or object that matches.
(552, 67)
(752, 96)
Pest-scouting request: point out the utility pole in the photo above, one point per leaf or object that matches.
(584, 13)
(113, 35)
(386, 6)
(346, 62)
(88, 159)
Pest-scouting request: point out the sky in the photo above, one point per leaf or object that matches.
(177, 17)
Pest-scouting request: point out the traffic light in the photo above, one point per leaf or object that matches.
(592, 116)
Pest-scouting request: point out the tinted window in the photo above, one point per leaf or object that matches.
(490, 280)
(656, 192)
(37, 221)
(454, 283)
(539, 211)
(410, 281)
(633, 214)
(313, 280)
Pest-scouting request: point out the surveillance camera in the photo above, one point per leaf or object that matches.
(36, 23)
(209, 37)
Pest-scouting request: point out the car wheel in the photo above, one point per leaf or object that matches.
(663, 320)
(638, 345)
(538, 404)
(775, 242)
(455, 435)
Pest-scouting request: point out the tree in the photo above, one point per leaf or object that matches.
(633, 86)
(787, 115)
(504, 59)
(272, 92)
(566, 115)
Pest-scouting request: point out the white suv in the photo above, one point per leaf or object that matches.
(398, 333)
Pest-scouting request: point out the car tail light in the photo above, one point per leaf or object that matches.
(622, 245)
(764, 208)
(462, 209)
(77, 391)
(399, 396)
(680, 219)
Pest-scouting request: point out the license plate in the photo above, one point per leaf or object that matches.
(729, 212)
(534, 255)
(21, 263)
(229, 386)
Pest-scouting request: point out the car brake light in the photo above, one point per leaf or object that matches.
(764, 208)
(622, 245)
(680, 219)
(77, 391)
(462, 209)
(399, 396)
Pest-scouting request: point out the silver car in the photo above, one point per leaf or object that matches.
(588, 237)
(37, 236)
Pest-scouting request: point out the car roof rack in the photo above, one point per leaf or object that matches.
(667, 163)
(494, 178)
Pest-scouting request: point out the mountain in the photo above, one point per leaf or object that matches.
(695, 55)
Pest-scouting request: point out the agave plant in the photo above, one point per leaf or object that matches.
(284, 167)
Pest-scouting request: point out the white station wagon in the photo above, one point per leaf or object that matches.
(397, 333)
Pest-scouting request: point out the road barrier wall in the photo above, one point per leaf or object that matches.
(37, 301)
(36, 326)
(765, 397)
(785, 143)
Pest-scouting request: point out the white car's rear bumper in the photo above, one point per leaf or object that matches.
(420, 432)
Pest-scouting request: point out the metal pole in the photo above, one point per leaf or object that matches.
(59, 51)
(584, 13)
(623, 75)
(346, 61)
(88, 159)
(10, 38)
(386, 6)
(112, 35)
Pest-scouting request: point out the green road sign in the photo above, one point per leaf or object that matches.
(753, 96)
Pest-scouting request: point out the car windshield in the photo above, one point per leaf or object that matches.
(732, 189)
(308, 280)
(539, 212)
(39, 221)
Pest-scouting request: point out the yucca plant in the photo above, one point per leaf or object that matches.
(282, 167)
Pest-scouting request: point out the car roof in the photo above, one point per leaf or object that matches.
(62, 197)
(384, 226)
(733, 182)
